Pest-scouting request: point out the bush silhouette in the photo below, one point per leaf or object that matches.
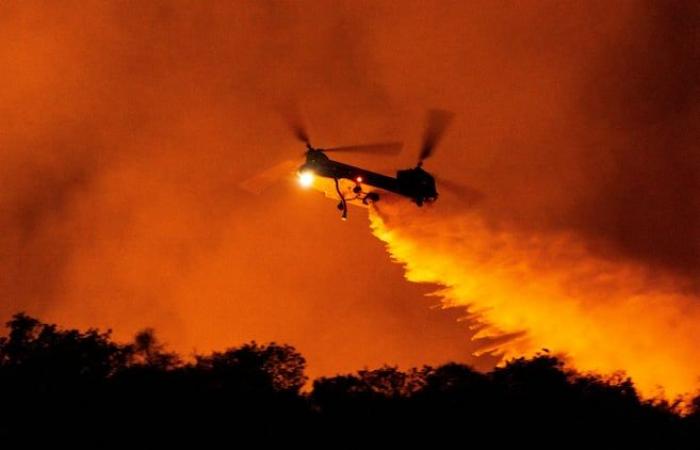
(82, 389)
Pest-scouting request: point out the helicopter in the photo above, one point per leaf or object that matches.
(355, 185)
(414, 183)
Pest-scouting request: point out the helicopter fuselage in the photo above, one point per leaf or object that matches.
(415, 184)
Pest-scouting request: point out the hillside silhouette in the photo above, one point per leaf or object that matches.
(82, 389)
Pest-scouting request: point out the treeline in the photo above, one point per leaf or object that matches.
(81, 389)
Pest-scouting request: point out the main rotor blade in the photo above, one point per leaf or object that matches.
(386, 148)
(436, 124)
(300, 132)
(466, 194)
(258, 183)
(293, 117)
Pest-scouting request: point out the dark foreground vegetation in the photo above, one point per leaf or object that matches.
(84, 390)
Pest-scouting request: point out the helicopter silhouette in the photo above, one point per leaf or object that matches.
(357, 185)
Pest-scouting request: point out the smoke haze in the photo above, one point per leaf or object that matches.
(127, 127)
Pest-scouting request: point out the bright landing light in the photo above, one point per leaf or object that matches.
(306, 178)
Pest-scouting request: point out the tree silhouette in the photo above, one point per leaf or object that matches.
(36, 352)
(82, 389)
(266, 368)
(148, 352)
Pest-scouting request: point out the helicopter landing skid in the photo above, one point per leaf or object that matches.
(343, 205)
(365, 197)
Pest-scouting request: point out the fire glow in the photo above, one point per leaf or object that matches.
(602, 316)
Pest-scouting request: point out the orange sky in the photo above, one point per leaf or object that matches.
(127, 127)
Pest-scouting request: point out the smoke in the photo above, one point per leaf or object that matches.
(587, 239)
(126, 130)
(127, 126)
